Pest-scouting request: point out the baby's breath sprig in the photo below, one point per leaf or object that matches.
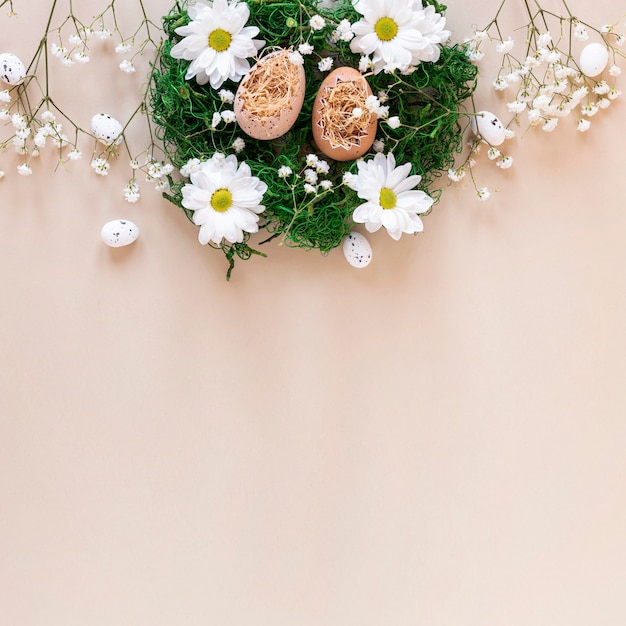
(563, 66)
(34, 118)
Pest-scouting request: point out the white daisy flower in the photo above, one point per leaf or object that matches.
(217, 42)
(225, 199)
(390, 198)
(398, 33)
(284, 171)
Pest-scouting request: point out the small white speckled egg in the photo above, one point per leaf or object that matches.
(357, 249)
(106, 129)
(593, 59)
(489, 127)
(119, 233)
(12, 70)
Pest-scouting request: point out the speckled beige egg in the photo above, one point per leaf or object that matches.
(343, 128)
(270, 96)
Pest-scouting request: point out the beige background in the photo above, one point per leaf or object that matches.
(438, 439)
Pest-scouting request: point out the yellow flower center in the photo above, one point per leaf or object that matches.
(387, 198)
(222, 200)
(386, 29)
(219, 40)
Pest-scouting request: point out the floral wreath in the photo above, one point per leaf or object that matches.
(303, 118)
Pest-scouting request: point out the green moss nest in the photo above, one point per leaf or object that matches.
(427, 102)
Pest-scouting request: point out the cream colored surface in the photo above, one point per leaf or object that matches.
(439, 439)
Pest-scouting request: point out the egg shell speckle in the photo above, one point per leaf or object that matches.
(593, 59)
(357, 249)
(274, 126)
(12, 70)
(489, 127)
(118, 233)
(339, 153)
(106, 129)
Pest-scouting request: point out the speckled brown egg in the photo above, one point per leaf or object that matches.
(343, 128)
(270, 96)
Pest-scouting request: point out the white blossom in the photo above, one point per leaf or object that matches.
(322, 167)
(310, 176)
(580, 32)
(191, 167)
(550, 124)
(483, 193)
(127, 67)
(325, 64)
(505, 46)
(226, 96)
(394, 122)
(131, 192)
(101, 166)
(295, 57)
(516, 107)
(317, 22)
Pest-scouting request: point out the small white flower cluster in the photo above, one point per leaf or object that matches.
(546, 82)
(503, 161)
(75, 47)
(549, 83)
(227, 116)
(313, 169)
(343, 32)
(154, 170)
(28, 113)
(30, 136)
